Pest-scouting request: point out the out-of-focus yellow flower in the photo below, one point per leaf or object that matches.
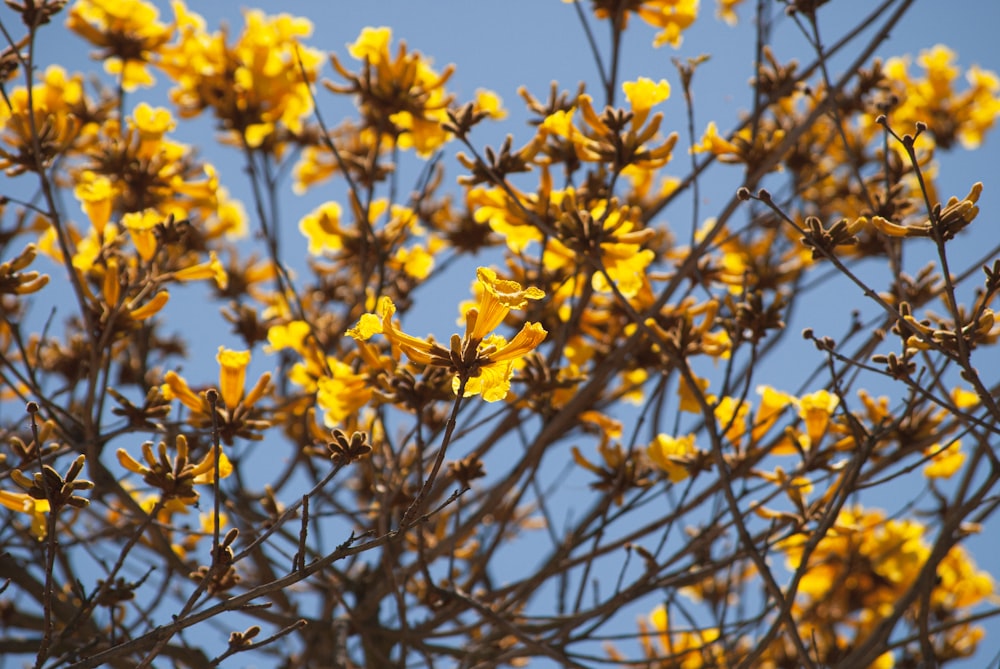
(816, 409)
(772, 404)
(253, 85)
(322, 228)
(128, 32)
(950, 115)
(96, 195)
(713, 142)
(414, 260)
(688, 399)
(731, 417)
(490, 103)
(48, 124)
(671, 455)
(140, 226)
(945, 461)
(725, 10)
(211, 269)
(673, 17)
(15, 281)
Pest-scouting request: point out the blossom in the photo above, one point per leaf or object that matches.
(816, 409)
(25, 503)
(238, 414)
(401, 96)
(254, 85)
(322, 228)
(945, 460)
(128, 32)
(671, 454)
(482, 363)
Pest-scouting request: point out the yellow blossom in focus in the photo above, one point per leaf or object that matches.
(24, 503)
(481, 362)
(232, 375)
(237, 415)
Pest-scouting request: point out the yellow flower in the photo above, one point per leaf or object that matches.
(401, 96)
(724, 10)
(484, 363)
(128, 31)
(672, 16)
(341, 394)
(497, 361)
(232, 375)
(236, 416)
(252, 85)
(644, 94)
(772, 404)
(945, 461)
(490, 103)
(712, 142)
(689, 401)
(140, 226)
(288, 335)
(96, 195)
(816, 409)
(213, 269)
(731, 416)
(671, 453)
(322, 228)
(499, 296)
(25, 503)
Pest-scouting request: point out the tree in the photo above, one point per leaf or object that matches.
(610, 431)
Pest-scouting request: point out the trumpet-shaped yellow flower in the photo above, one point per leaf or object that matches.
(236, 416)
(96, 195)
(25, 503)
(483, 363)
(816, 409)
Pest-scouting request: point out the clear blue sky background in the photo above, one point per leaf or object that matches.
(504, 45)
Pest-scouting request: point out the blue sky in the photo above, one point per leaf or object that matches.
(504, 45)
